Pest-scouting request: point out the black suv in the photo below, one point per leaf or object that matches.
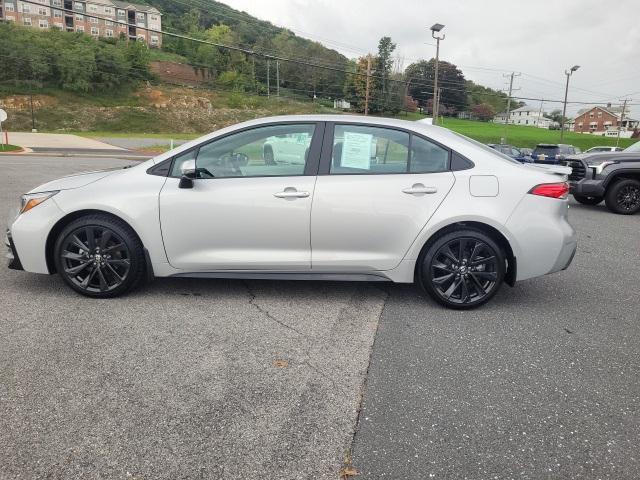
(610, 176)
(553, 154)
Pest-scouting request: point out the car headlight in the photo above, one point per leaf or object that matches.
(599, 167)
(31, 200)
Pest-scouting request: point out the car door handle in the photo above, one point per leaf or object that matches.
(419, 188)
(291, 193)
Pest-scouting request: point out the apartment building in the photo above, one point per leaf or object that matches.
(601, 120)
(116, 18)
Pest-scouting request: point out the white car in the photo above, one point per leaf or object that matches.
(431, 207)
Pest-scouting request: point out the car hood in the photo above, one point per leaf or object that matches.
(599, 157)
(76, 180)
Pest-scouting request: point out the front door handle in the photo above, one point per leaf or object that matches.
(291, 192)
(419, 188)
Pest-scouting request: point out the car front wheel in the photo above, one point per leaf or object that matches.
(99, 256)
(585, 200)
(462, 269)
(624, 197)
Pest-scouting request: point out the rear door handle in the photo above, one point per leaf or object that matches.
(291, 192)
(419, 188)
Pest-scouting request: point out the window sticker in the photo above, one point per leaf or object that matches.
(356, 150)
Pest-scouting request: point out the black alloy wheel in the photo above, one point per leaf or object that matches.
(463, 269)
(624, 197)
(99, 256)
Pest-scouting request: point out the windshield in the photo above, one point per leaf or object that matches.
(633, 148)
(486, 148)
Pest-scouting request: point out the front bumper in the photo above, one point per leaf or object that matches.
(12, 254)
(587, 188)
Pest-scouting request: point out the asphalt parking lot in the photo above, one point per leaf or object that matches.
(258, 379)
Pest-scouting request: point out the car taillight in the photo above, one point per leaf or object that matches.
(551, 190)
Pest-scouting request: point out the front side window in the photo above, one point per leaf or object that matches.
(277, 150)
(364, 150)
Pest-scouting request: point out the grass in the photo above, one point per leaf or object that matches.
(162, 136)
(521, 136)
(9, 148)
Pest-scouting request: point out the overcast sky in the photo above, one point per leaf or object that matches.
(486, 39)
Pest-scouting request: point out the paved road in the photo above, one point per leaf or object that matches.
(542, 383)
(228, 379)
(183, 379)
(52, 141)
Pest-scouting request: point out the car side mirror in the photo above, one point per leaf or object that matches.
(187, 174)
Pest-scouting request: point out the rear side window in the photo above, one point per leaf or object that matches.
(427, 157)
(377, 150)
(365, 150)
(546, 151)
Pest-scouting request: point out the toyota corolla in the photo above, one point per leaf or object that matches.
(358, 198)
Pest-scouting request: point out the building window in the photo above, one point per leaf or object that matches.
(140, 16)
(93, 20)
(11, 18)
(26, 8)
(57, 3)
(80, 18)
(9, 7)
(78, 6)
(154, 18)
(92, 8)
(26, 21)
(57, 14)
(43, 24)
(108, 33)
(95, 31)
(108, 10)
(154, 40)
(43, 11)
(599, 114)
(108, 23)
(121, 13)
(591, 115)
(79, 28)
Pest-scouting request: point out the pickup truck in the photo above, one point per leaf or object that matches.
(610, 176)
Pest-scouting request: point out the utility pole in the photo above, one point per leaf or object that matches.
(624, 107)
(366, 95)
(506, 123)
(568, 73)
(435, 29)
(268, 74)
(277, 78)
(540, 113)
(438, 101)
(33, 117)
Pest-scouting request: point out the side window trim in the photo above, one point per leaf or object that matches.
(311, 165)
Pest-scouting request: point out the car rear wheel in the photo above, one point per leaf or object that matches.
(462, 269)
(99, 256)
(587, 200)
(623, 197)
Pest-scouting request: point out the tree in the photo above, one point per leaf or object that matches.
(383, 65)
(421, 75)
(483, 111)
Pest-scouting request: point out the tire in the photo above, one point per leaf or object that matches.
(99, 256)
(462, 269)
(268, 157)
(587, 200)
(623, 197)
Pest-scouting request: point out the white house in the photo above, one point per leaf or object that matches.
(530, 116)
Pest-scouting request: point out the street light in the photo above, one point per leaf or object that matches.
(568, 73)
(436, 29)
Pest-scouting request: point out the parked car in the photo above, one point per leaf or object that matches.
(603, 149)
(511, 151)
(527, 152)
(552, 154)
(610, 176)
(431, 207)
